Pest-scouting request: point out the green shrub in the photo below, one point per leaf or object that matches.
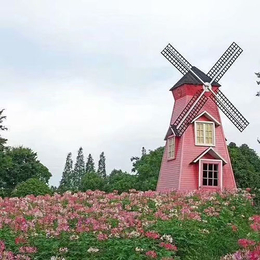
(92, 181)
(31, 186)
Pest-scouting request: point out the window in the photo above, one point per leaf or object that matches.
(205, 133)
(210, 174)
(171, 148)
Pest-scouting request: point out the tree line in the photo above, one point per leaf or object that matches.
(82, 175)
(22, 173)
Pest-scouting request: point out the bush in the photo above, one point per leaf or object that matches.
(92, 181)
(31, 186)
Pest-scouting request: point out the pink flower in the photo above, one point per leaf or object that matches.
(234, 228)
(2, 246)
(20, 240)
(152, 235)
(151, 254)
(102, 236)
(246, 243)
(168, 246)
(27, 249)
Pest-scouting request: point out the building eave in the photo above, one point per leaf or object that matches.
(170, 132)
(212, 152)
(209, 116)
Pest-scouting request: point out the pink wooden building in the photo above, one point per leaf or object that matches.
(198, 159)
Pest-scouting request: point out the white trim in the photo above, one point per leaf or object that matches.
(220, 178)
(199, 175)
(213, 132)
(208, 115)
(208, 150)
(172, 133)
(171, 139)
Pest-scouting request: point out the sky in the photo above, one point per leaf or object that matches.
(90, 73)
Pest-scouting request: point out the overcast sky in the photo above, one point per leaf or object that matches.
(90, 73)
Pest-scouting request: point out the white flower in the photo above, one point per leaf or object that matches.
(93, 250)
(139, 249)
(167, 238)
(204, 231)
(134, 234)
(74, 237)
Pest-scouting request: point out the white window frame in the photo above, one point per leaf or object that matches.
(204, 131)
(220, 173)
(171, 146)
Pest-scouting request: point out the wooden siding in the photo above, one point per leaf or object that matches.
(180, 173)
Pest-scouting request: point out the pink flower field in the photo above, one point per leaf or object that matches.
(134, 225)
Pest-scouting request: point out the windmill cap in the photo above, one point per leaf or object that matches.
(190, 78)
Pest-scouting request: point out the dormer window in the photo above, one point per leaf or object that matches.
(205, 133)
(171, 148)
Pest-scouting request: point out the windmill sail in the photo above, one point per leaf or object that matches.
(176, 59)
(224, 62)
(189, 113)
(229, 110)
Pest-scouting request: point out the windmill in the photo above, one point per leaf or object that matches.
(195, 154)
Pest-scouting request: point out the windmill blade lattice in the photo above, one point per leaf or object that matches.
(180, 125)
(176, 59)
(229, 110)
(224, 62)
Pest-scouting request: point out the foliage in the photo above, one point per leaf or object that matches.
(120, 181)
(102, 166)
(147, 169)
(17, 164)
(2, 140)
(136, 225)
(246, 167)
(90, 165)
(79, 170)
(31, 186)
(66, 182)
(258, 82)
(92, 181)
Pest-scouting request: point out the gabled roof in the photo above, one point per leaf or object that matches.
(212, 152)
(169, 133)
(209, 116)
(190, 78)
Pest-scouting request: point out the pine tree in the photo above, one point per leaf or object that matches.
(90, 165)
(102, 166)
(66, 182)
(79, 169)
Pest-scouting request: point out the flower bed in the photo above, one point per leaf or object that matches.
(134, 225)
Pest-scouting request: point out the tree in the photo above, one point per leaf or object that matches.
(66, 182)
(92, 181)
(18, 164)
(120, 181)
(2, 140)
(31, 186)
(90, 166)
(246, 167)
(258, 82)
(79, 169)
(102, 166)
(147, 169)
